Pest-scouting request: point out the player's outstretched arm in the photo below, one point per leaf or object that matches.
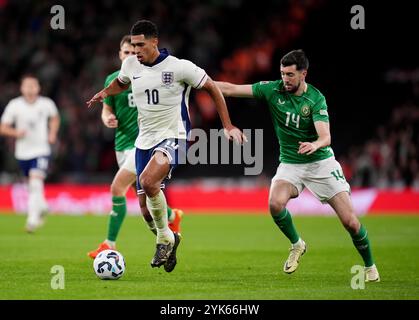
(230, 131)
(114, 88)
(235, 90)
(108, 116)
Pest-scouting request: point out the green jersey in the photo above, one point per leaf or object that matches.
(126, 112)
(293, 118)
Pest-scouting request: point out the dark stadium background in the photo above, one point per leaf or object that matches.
(369, 77)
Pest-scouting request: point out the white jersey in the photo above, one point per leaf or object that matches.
(161, 93)
(33, 118)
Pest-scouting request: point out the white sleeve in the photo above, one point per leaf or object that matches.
(124, 74)
(52, 108)
(193, 75)
(8, 116)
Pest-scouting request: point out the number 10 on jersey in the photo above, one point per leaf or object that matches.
(152, 96)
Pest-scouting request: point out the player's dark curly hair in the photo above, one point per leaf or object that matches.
(145, 27)
(297, 57)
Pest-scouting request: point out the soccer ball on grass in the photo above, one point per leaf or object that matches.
(109, 265)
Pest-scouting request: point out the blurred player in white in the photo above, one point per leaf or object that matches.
(161, 84)
(33, 120)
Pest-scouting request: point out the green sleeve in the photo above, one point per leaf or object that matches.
(110, 101)
(257, 89)
(320, 111)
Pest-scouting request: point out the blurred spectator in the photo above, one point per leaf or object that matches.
(390, 159)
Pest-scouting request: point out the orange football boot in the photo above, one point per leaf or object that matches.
(103, 246)
(175, 224)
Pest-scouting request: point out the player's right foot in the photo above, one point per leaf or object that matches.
(103, 246)
(163, 252)
(43, 215)
(371, 274)
(172, 261)
(30, 228)
(293, 260)
(175, 224)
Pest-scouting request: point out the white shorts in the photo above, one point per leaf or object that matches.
(126, 160)
(323, 178)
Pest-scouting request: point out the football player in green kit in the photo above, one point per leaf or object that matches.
(301, 123)
(120, 112)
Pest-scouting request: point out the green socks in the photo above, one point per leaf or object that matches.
(118, 213)
(170, 215)
(284, 221)
(362, 244)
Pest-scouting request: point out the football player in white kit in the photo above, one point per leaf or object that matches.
(33, 120)
(161, 84)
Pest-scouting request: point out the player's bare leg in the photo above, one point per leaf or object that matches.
(281, 192)
(342, 205)
(150, 180)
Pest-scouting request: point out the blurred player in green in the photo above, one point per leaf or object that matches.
(301, 123)
(120, 112)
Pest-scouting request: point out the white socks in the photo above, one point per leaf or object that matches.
(299, 243)
(36, 201)
(110, 243)
(158, 209)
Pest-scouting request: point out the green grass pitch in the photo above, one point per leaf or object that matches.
(221, 257)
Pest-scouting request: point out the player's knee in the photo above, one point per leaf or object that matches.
(117, 190)
(148, 185)
(276, 205)
(352, 224)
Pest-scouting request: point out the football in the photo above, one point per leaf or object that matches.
(109, 265)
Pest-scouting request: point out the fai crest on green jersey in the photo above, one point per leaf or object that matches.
(305, 111)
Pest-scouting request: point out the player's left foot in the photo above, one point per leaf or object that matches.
(43, 217)
(30, 228)
(371, 274)
(172, 261)
(175, 224)
(293, 260)
(163, 252)
(102, 246)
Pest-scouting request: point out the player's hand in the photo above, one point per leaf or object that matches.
(235, 134)
(52, 138)
(111, 121)
(98, 97)
(20, 134)
(307, 147)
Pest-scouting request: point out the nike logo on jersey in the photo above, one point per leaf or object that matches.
(280, 102)
(135, 78)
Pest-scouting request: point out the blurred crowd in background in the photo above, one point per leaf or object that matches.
(233, 40)
(389, 158)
